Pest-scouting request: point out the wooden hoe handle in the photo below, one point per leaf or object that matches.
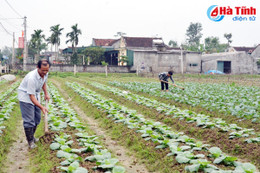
(173, 84)
(46, 130)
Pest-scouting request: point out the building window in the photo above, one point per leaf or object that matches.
(193, 65)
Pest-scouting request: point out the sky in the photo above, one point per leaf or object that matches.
(168, 19)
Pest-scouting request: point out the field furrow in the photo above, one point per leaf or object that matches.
(150, 130)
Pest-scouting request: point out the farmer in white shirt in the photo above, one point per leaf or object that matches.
(29, 99)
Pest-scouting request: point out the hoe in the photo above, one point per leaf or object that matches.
(173, 84)
(48, 136)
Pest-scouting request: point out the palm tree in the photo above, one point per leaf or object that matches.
(74, 39)
(55, 37)
(50, 41)
(36, 43)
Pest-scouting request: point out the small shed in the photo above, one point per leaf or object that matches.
(229, 63)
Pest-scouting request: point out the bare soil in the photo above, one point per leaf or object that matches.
(18, 158)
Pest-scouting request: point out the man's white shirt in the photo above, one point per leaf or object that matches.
(31, 84)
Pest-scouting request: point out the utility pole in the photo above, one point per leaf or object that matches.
(25, 51)
(13, 56)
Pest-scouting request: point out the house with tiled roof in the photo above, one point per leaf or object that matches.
(248, 50)
(103, 42)
(126, 46)
(253, 51)
(152, 55)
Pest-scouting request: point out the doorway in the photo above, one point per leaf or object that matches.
(224, 66)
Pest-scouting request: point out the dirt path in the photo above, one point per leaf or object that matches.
(18, 158)
(129, 162)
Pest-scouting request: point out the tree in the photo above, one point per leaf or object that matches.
(173, 43)
(123, 59)
(95, 55)
(1, 55)
(54, 39)
(194, 35)
(1, 58)
(36, 43)
(74, 39)
(228, 37)
(119, 34)
(212, 45)
(19, 54)
(6, 53)
(49, 40)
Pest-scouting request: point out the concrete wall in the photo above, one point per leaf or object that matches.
(193, 59)
(153, 62)
(157, 62)
(256, 55)
(87, 68)
(241, 62)
(256, 52)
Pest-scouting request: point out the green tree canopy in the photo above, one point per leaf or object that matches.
(173, 43)
(194, 35)
(123, 59)
(96, 54)
(6, 51)
(212, 45)
(55, 35)
(54, 39)
(1, 55)
(74, 40)
(37, 41)
(228, 37)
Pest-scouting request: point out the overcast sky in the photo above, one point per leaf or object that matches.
(168, 19)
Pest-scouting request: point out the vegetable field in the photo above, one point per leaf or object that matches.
(123, 123)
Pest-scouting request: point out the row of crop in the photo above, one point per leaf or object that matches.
(3, 82)
(73, 147)
(8, 100)
(5, 112)
(186, 149)
(242, 102)
(5, 94)
(202, 120)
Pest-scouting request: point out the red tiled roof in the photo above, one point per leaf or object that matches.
(246, 49)
(104, 42)
(139, 41)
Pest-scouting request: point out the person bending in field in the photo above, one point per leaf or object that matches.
(163, 77)
(29, 99)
